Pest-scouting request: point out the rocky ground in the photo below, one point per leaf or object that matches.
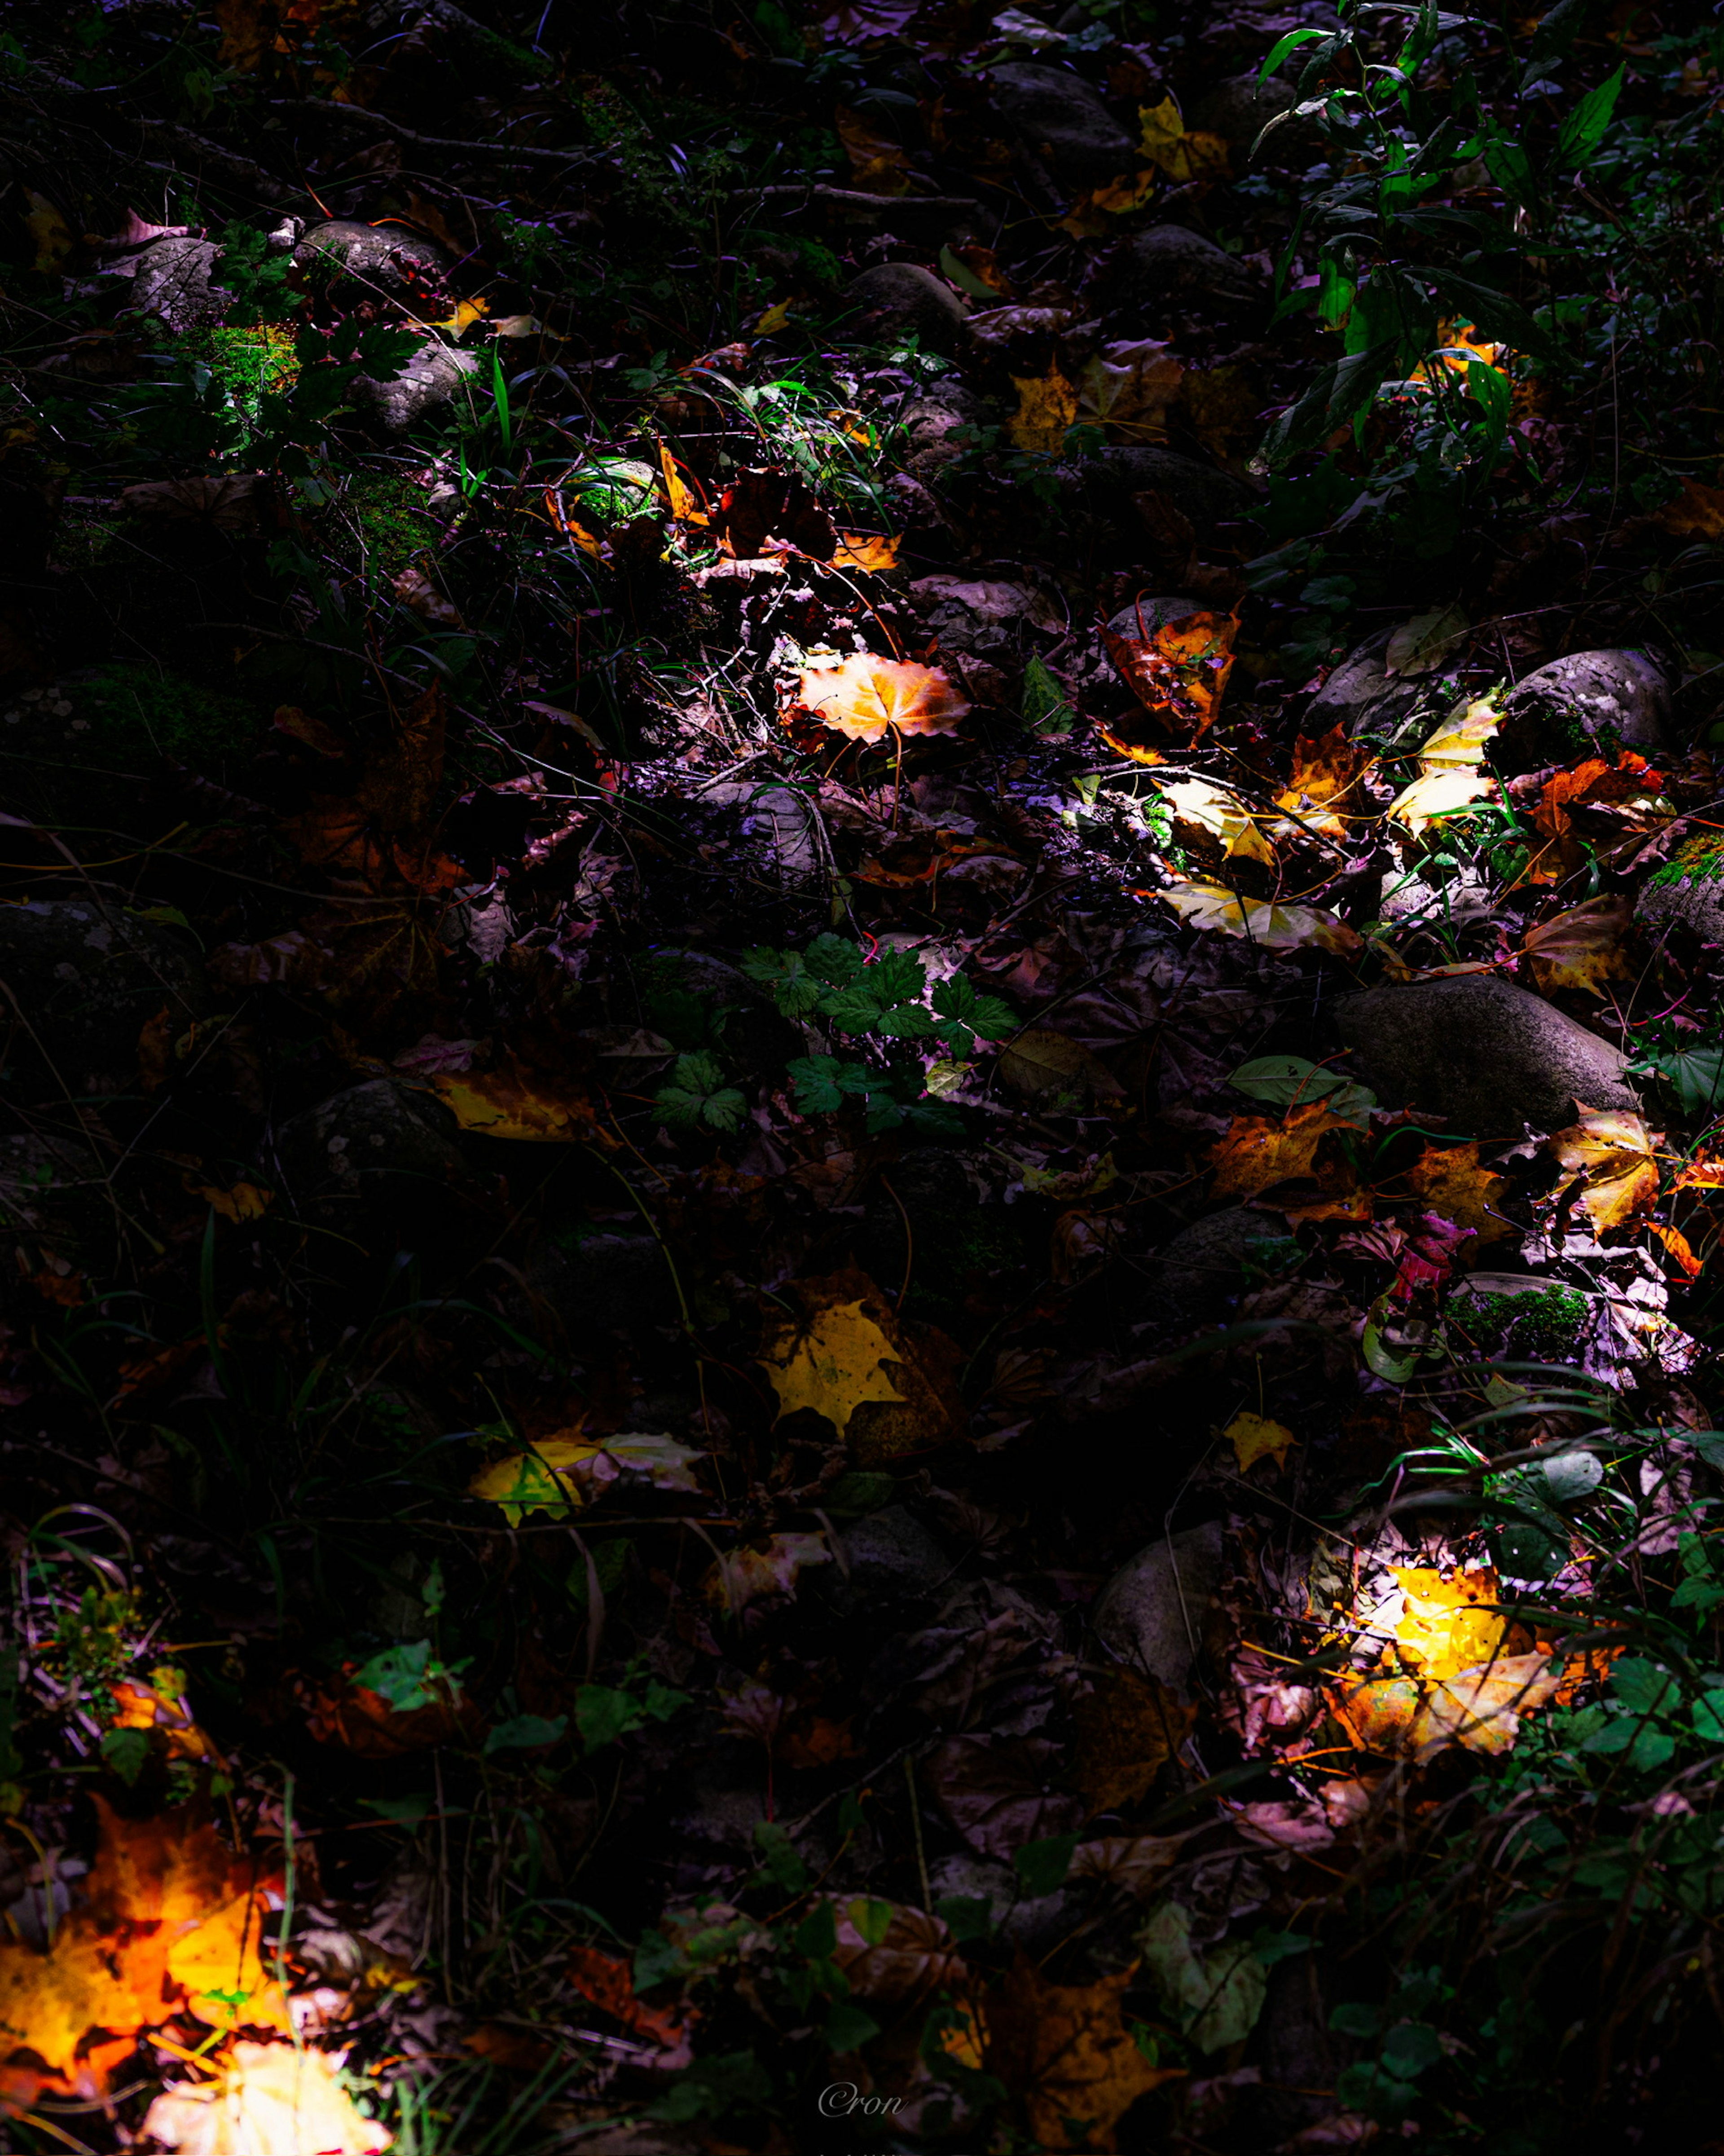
(862, 1079)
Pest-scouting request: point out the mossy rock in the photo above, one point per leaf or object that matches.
(393, 522)
(1519, 1317)
(141, 716)
(1689, 887)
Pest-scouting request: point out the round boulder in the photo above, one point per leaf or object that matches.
(903, 298)
(1361, 695)
(1205, 496)
(1162, 1611)
(1239, 109)
(1591, 703)
(1195, 1275)
(87, 979)
(430, 380)
(1168, 265)
(1059, 116)
(386, 259)
(1488, 1055)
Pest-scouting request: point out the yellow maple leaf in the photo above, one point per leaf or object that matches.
(1451, 1183)
(1255, 1437)
(1611, 1157)
(1047, 405)
(1182, 155)
(278, 2097)
(504, 1103)
(1447, 1625)
(1064, 2052)
(832, 1365)
(866, 552)
(1582, 947)
(1267, 922)
(1450, 767)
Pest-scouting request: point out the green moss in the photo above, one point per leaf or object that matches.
(1700, 860)
(1536, 1329)
(393, 520)
(146, 714)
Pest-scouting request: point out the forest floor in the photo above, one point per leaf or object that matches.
(861, 1067)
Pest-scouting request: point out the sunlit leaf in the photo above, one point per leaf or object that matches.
(1610, 1156)
(1267, 922)
(862, 696)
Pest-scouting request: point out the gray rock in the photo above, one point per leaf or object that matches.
(1689, 887)
(430, 380)
(1360, 696)
(889, 1557)
(1201, 1268)
(779, 821)
(1592, 702)
(903, 297)
(1240, 108)
(171, 280)
(1059, 116)
(373, 1151)
(385, 259)
(1160, 1612)
(1169, 265)
(932, 420)
(1146, 614)
(969, 1878)
(577, 1297)
(87, 978)
(983, 617)
(1201, 492)
(1488, 1055)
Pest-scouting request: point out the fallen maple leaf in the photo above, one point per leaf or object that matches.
(609, 1984)
(1183, 156)
(887, 1386)
(1449, 772)
(743, 1576)
(502, 1102)
(1697, 512)
(1582, 947)
(1254, 1437)
(1219, 814)
(1178, 671)
(1126, 1728)
(1679, 1248)
(1447, 1625)
(562, 1472)
(1257, 1151)
(1128, 388)
(1264, 922)
(893, 1955)
(866, 552)
(168, 1921)
(1610, 1156)
(862, 695)
(1047, 405)
(1064, 2053)
(878, 164)
(1450, 1181)
(1595, 808)
(266, 2100)
(1325, 772)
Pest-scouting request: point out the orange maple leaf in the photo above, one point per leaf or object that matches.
(1610, 1156)
(1325, 771)
(1064, 2052)
(1582, 947)
(1257, 1151)
(1451, 1183)
(169, 1921)
(1178, 671)
(863, 695)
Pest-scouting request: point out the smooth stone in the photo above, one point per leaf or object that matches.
(1159, 1611)
(1488, 1056)
(373, 1151)
(1144, 616)
(1197, 1274)
(1592, 702)
(1361, 695)
(87, 978)
(887, 1557)
(171, 278)
(903, 295)
(430, 380)
(1169, 263)
(1689, 887)
(778, 820)
(389, 259)
(1240, 108)
(1200, 492)
(1057, 114)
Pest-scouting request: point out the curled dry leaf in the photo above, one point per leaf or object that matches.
(1582, 947)
(1040, 1065)
(609, 1984)
(1177, 672)
(1596, 808)
(862, 696)
(266, 2100)
(1611, 1157)
(744, 1575)
(894, 1956)
(1264, 922)
(1219, 814)
(999, 1793)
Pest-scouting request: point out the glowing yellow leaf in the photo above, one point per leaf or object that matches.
(1181, 155)
(1254, 1437)
(1449, 767)
(1261, 921)
(1611, 1157)
(504, 1103)
(832, 1365)
(776, 317)
(1047, 405)
(273, 2096)
(866, 552)
(1448, 1626)
(862, 695)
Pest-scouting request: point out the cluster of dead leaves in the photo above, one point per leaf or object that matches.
(1307, 1165)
